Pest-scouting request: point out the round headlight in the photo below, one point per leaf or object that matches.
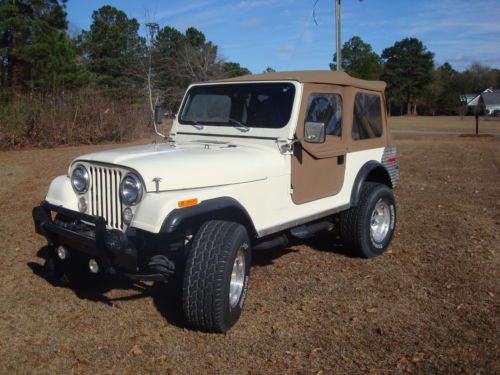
(131, 189)
(80, 179)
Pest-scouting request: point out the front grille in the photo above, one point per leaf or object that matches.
(390, 162)
(105, 195)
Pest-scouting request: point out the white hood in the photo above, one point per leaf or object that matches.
(193, 164)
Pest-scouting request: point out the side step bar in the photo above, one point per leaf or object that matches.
(309, 230)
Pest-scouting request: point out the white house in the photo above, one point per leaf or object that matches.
(486, 102)
(490, 102)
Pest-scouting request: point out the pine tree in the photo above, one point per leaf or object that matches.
(114, 51)
(447, 100)
(36, 52)
(408, 71)
(359, 60)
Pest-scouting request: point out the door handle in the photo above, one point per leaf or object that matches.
(340, 159)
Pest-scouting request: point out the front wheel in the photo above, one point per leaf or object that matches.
(216, 276)
(367, 229)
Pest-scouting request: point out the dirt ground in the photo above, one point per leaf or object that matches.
(430, 305)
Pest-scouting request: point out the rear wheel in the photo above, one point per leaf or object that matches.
(367, 229)
(216, 276)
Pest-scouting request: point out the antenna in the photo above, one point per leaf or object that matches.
(337, 24)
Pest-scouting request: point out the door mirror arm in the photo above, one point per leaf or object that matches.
(159, 114)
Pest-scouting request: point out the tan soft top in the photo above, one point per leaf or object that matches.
(313, 76)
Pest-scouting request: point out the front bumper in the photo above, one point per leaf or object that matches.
(116, 254)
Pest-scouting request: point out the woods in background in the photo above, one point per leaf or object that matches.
(415, 85)
(94, 86)
(36, 52)
(101, 83)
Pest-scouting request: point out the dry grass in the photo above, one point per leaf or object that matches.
(83, 117)
(445, 124)
(430, 305)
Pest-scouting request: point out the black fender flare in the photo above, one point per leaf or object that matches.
(370, 171)
(223, 208)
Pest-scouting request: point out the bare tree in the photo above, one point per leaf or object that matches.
(202, 64)
(152, 28)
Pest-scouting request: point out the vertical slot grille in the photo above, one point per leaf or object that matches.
(105, 195)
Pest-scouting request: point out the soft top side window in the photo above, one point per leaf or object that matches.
(367, 120)
(327, 109)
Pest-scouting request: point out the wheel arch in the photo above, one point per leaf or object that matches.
(223, 208)
(371, 171)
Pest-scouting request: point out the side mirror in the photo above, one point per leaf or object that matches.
(159, 114)
(314, 132)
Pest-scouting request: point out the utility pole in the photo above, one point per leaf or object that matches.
(337, 23)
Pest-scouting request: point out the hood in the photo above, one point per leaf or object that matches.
(193, 164)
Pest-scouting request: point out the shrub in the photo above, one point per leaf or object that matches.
(82, 117)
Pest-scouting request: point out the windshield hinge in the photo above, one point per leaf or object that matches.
(285, 145)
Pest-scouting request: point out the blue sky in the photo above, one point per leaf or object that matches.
(283, 34)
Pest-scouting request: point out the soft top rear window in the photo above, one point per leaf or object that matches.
(253, 105)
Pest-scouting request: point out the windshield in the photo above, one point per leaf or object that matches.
(255, 105)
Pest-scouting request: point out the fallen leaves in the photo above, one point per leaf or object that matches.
(296, 356)
(434, 296)
(314, 354)
(162, 358)
(136, 350)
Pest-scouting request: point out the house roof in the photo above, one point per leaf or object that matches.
(491, 98)
(313, 76)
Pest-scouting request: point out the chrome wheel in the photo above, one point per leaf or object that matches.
(380, 222)
(237, 278)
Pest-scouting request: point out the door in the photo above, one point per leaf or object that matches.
(318, 169)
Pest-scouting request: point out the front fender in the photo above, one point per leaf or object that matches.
(223, 208)
(159, 212)
(62, 194)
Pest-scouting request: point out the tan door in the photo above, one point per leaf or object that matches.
(318, 169)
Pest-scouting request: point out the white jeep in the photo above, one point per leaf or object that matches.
(253, 162)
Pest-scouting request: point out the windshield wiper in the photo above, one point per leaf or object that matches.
(195, 123)
(242, 127)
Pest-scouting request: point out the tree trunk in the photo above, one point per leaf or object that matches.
(2, 75)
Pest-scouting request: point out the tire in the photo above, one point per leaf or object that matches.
(356, 223)
(207, 278)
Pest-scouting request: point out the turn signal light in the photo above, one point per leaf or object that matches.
(187, 202)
